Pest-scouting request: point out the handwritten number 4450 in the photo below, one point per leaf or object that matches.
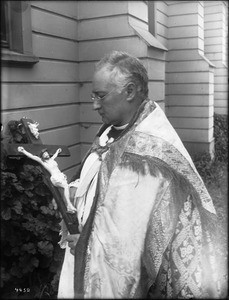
(22, 290)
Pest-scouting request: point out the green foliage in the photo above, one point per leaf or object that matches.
(211, 170)
(221, 137)
(30, 255)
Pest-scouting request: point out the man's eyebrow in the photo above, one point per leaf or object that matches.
(98, 92)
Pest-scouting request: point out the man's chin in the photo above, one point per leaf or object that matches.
(104, 119)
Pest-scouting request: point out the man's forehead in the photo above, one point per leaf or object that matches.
(103, 73)
(102, 79)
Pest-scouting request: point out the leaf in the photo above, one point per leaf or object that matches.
(28, 186)
(54, 267)
(16, 251)
(29, 194)
(5, 194)
(4, 276)
(30, 248)
(45, 262)
(6, 214)
(16, 271)
(18, 187)
(45, 248)
(41, 190)
(35, 262)
(45, 209)
(17, 207)
(26, 176)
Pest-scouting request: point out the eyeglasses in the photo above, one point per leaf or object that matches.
(100, 98)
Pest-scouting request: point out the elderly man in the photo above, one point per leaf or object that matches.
(146, 218)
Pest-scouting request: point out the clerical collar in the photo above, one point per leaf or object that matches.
(115, 131)
(120, 127)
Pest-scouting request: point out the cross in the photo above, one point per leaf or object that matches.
(35, 146)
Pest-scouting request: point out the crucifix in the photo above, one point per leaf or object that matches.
(55, 180)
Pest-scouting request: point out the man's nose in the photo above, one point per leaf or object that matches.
(96, 105)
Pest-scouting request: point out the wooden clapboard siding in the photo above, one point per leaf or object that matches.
(70, 164)
(50, 47)
(95, 9)
(202, 146)
(101, 28)
(156, 90)
(185, 43)
(190, 77)
(138, 9)
(23, 95)
(88, 115)
(183, 8)
(183, 55)
(212, 32)
(190, 100)
(94, 50)
(192, 111)
(184, 32)
(189, 85)
(62, 8)
(192, 123)
(196, 135)
(162, 22)
(68, 135)
(156, 69)
(187, 66)
(190, 88)
(213, 25)
(88, 132)
(183, 20)
(43, 71)
(48, 91)
(47, 22)
(47, 116)
(85, 92)
(216, 48)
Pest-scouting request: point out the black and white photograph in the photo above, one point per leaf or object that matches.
(114, 149)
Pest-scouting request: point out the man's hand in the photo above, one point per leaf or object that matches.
(72, 240)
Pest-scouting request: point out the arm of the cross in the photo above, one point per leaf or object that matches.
(35, 149)
(30, 155)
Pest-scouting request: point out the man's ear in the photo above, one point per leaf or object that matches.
(131, 91)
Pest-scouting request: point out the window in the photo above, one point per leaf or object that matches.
(16, 32)
(4, 22)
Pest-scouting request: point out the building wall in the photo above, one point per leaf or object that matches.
(215, 48)
(69, 38)
(162, 22)
(48, 91)
(189, 76)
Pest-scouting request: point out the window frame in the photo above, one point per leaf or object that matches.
(152, 17)
(19, 31)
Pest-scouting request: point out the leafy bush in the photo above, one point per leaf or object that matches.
(221, 137)
(30, 255)
(210, 169)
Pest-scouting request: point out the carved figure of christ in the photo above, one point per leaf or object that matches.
(57, 178)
